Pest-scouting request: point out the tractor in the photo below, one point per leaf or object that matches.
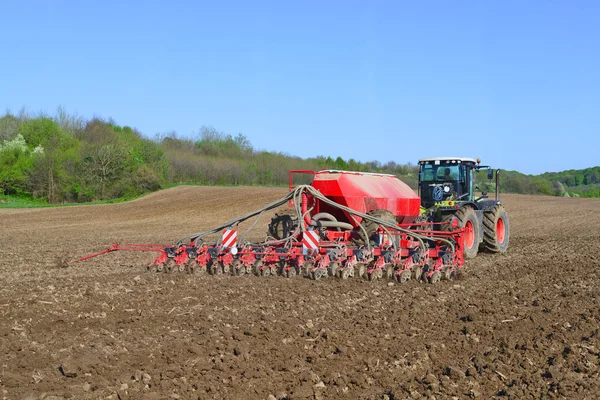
(447, 188)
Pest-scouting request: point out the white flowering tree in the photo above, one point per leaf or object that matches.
(48, 176)
(16, 160)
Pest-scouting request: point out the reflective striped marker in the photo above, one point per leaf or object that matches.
(229, 237)
(310, 240)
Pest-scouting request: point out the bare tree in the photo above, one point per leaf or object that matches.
(103, 163)
(70, 124)
(9, 127)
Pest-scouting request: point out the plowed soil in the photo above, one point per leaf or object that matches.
(520, 325)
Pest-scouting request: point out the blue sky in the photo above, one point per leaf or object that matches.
(516, 83)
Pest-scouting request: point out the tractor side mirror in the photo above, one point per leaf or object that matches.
(490, 174)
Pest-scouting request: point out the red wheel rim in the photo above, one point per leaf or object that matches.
(469, 234)
(500, 230)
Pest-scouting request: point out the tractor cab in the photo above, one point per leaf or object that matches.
(445, 180)
(448, 182)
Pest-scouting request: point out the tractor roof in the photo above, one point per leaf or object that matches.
(451, 159)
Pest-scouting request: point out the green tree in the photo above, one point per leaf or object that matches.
(16, 160)
(57, 148)
(340, 164)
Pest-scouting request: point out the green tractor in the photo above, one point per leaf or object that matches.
(447, 189)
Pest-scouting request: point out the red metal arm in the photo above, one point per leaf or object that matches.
(127, 247)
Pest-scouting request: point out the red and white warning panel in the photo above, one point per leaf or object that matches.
(229, 238)
(310, 240)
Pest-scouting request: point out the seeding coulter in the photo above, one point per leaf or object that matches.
(344, 224)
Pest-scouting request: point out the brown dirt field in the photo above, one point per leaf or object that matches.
(521, 325)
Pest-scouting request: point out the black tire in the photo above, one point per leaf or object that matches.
(467, 218)
(446, 224)
(371, 226)
(282, 226)
(496, 229)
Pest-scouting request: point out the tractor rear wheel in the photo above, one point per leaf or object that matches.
(372, 226)
(467, 219)
(496, 229)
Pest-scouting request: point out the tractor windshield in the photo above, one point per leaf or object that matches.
(439, 173)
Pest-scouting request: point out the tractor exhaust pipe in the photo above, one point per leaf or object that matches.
(497, 183)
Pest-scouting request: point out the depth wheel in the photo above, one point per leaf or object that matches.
(449, 274)
(256, 268)
(160, 268)
(334, 268)
(375, 274)
(318, 274)
(417, 272)
(361, 270)
(169, 266)
(436, 277)
(404, 276)
(307, 268)
(237, 268)
(389, 271)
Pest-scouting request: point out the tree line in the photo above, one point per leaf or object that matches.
(216, 158)
(66, 158)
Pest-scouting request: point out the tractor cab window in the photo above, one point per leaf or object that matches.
(441, 173)
(447, 173)
(427, 173)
